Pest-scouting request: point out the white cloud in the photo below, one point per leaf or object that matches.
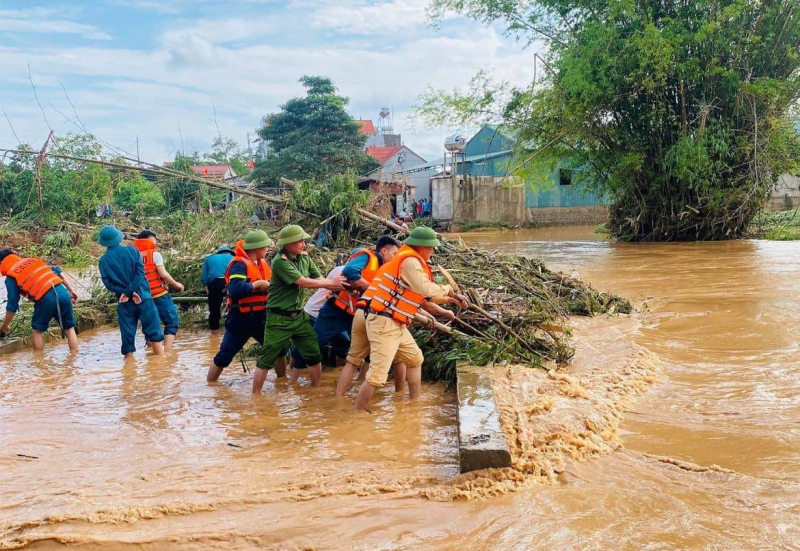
(43, 20)
(360, 17)
(125, 92)
(220, 31)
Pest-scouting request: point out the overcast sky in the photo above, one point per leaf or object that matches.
(144, 67)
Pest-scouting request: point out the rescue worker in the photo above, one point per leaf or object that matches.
(52, 296)
(337, 315)
(248, 279)
(396, 294)
(213, 279)
(292, 271)
(122, 272)
(159, 278)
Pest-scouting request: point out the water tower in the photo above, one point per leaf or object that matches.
(385, 121)
(455, 144)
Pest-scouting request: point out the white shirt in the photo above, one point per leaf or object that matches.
(318, 299)
(158, 260)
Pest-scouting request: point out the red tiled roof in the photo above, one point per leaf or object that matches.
(382, 154)
(213, 171)
(366, 127)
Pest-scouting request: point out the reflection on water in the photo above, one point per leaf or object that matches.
(202, 466)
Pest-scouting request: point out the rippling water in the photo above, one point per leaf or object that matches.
(146, 453)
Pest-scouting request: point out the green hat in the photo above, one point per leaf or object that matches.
(256, 239)
(110, 236)
(291, 234)
(423, 237)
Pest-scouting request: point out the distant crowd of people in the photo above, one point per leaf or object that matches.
(421, 208)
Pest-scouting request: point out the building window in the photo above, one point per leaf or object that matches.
(564, 177)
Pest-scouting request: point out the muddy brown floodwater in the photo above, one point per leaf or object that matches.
(678, 427)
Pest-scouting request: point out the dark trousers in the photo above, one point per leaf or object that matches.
(216, 293)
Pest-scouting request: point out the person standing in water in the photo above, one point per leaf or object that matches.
(50, 293)
(396, 294)
(122, 272)
(292, 271)
(159, 278)
(248, 280)
(213, 278)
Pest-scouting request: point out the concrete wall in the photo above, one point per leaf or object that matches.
(568, 216)
(786, 194)
(471, 198)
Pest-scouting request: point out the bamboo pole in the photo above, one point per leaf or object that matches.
(159, 170)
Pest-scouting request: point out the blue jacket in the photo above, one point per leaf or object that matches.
(352, 270)
(214, 266)
(122, 272)
(13, 294)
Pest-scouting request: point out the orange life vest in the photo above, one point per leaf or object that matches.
(157, 286)
(389, 296)
(33, 276)
(347, 300)
(256, 302)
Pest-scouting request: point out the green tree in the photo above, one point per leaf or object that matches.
(313, 138)
(678, 111)
(138, 196)
(227, 151)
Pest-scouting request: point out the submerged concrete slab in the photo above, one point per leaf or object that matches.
(481, 443)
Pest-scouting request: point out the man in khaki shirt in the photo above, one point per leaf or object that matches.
(387, 325)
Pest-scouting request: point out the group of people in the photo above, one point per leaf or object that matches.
(421, 208)
(361, 311)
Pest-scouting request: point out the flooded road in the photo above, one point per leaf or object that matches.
(97, 452)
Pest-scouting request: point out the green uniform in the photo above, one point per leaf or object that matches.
(286, 320)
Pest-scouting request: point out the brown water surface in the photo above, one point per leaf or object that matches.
(99, 452)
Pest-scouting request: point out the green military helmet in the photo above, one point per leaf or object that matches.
(256, 239)
(291, 234)
(422, 236)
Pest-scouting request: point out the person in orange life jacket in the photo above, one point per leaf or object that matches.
(341, 309)
(248, 279)
(360, 347)
(395, 295)
(158, 277)
(50, 293)
(122, 272)
(292, 271)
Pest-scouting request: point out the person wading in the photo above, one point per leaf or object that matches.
(292, 271)
(51, 294)
(122, 272)
(158, 278)
(343, 310)
(395, 295)
(213, 278)
(248, 279)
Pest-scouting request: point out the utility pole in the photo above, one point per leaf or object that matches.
(138, 159)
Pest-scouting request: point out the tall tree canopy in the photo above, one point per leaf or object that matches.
(681, 111)
(313, 138)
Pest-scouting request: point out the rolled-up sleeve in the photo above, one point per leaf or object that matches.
(412, 273)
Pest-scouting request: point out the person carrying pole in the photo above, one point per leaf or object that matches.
(51, 294)
(395, 296)
(248, 279)
(213, 279)
(122, 272)
(159, 278)
(292, 271)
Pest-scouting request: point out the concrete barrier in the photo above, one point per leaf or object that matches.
(481, 443)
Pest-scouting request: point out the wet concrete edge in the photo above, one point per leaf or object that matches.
(481, 442)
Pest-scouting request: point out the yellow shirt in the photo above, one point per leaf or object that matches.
(413, 275)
